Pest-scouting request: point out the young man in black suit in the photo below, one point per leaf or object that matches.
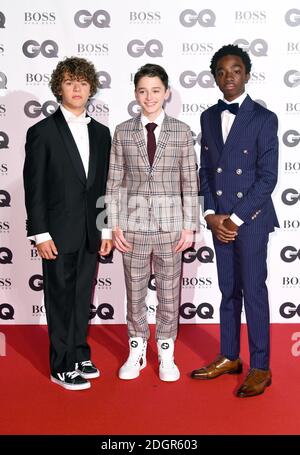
(65, 170)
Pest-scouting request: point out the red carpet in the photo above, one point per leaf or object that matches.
(31, 404)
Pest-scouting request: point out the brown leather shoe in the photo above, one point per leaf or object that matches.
(221, 365)
(255, 383)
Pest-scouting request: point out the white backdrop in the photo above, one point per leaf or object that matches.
(119, 37)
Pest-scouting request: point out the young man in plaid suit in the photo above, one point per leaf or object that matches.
(152, 196)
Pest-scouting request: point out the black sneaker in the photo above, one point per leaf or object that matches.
(87, 369)
(70, 380)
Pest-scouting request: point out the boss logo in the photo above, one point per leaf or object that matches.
(97, 108)
(84, 18)
(144, 16)
(289, 254)
(292, 78)
(189, 79)
(34, 109)
(189, 18)
(3, 81)
(153, 48)
(48, 49)
(292, 107)
(293, 47)
(189, 310)
(194, 108)
(292, 17)
(290, 196)
(258, 47)
(291, 224)
(197, 48)
(36, 16)
(93, 48)
(250, 16)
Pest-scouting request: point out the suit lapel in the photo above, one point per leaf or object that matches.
(139, 138)
(93, 152)
(162, 140)
(216, 127)
(245, 114)
(70, 145)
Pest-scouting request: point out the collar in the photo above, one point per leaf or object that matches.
(238, 100)
(68, 114)
(159, 120)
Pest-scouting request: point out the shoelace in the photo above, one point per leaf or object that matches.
(86, 363)
(72, 374)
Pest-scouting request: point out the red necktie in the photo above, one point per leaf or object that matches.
(151, 142)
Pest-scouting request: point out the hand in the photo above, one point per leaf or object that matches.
(219, 229)
(186, 240)
(106, 247)
(120, 242)
(47, 250)
(230, 225)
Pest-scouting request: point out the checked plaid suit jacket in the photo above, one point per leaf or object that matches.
(166, 193)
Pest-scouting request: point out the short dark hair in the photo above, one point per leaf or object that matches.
(230, 49)
(76, 68)
(152, 70)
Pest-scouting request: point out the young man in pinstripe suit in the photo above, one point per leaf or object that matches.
(239, 166)
(153, 161)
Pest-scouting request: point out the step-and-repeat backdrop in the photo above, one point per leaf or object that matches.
(119, 37)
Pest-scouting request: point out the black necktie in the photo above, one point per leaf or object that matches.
(233, 108)
(151, 142)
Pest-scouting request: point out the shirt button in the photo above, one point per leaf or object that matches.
(205, 147)
(219, 170)
(239, 171)
(239, 195)
(245, 152)
(219, 192)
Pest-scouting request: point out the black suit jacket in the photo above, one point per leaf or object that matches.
(59, 198)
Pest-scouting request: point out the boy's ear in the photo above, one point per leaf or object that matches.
(247, 77)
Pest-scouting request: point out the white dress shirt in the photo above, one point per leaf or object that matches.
(79, 129)
(227, 119)
(159, 121)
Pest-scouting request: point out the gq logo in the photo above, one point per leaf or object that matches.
(292, 17)
(7, 312)
(288, 310)
(5, 256)
(84, 18)
(104, 311)
(289, 254)
(4, 198)
(291, 138)
(36, 282)
(133, 108)
(189, 79)
(290, 197)
(153, 48)
(3, 81)
(189, 18)
(3, 140)
(34, 109)
(48, 49)
(2, 20)
(258, 47)
(204, 255)
(104, 79)
(291, 78)
(189, 310)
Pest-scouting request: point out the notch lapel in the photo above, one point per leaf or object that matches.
(162, 141)
(70, 145)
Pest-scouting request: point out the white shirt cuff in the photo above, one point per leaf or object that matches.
(208, 212)
(236, 219)
(106, 234)
(40, 238)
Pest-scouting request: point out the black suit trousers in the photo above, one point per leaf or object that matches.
(68, 286)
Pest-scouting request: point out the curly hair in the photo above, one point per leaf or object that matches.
(76, 68)
(230, 49)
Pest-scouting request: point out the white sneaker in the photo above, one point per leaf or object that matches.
(168, 370)
(136, 360)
